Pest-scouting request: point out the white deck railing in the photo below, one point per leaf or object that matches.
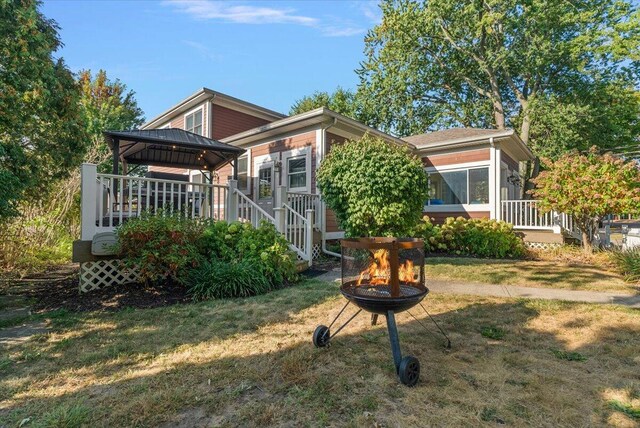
(109, 200)
(301, 202)
(250, 212)
(525, 214)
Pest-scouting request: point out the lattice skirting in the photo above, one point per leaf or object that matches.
(542, 245)
(103, 273)
(315, 251)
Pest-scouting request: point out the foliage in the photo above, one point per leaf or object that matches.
(568, 355)
(627, 409)
(495, 333)
(161, 246)
(341, 101)
(374, 188)
(475, 237)
(627, 263)
(42, 131)
(264, 249)
(500, 63)
(106, 104)
(587, 187)
(216, 279)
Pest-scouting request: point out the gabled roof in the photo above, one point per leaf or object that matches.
(218, 98)
(171, 147)
(458, 138)
(321, 115)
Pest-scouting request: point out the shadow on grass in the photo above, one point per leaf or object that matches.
(251, 363)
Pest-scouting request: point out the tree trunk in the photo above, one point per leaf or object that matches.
(587, 245)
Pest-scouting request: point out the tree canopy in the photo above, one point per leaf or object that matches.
(375, 188)
(588, 187)
(42, 133)
(341, 101)
(563, 74)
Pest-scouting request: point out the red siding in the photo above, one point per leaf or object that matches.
(228, 122)
(457, 157)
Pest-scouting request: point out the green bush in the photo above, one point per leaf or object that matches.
(263, 247)
(161, 246)
(217, 279)
(472, 237)
(375, 188)
(628, 263)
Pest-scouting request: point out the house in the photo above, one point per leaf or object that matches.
(220, 157)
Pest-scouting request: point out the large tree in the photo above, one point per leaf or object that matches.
(42, 132)
(507, 63)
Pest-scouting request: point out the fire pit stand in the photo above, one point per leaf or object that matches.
(382, 276)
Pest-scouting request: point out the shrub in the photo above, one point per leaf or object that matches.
(161, 246)
(217, 279)
(375, 188)
(628, 263)
(240, 261)
(474, 237)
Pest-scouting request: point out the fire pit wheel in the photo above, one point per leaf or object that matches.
(409, 370)
(321, 336)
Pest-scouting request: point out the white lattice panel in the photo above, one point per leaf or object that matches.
(542, 245)
(103, 273)
(315, 252)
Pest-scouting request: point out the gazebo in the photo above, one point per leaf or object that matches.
(169, 147)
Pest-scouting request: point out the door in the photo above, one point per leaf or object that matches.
(265, 185)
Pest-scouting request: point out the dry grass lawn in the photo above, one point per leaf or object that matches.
(529, 273)
(250, 362)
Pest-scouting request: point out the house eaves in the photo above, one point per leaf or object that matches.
(218, 98)
(304, 120)
(509, 135)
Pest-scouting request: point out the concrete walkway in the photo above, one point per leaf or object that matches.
(515, 291)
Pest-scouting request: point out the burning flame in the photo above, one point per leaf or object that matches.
(379, 271)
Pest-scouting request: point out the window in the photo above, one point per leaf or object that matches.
(193, 122)
(297, 172)
(243, 173)
(265, 181)
(469, 186)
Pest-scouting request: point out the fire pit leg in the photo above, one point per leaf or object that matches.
(393, 338)
(374, 319)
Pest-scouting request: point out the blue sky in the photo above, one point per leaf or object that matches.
(266, 52)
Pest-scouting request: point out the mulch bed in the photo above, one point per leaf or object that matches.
(59, 290)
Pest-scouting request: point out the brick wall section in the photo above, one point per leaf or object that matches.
(457, 157)
(228, 122)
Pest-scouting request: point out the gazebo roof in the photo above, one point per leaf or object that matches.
(170, 147)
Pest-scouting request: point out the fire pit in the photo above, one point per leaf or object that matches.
(383, 276)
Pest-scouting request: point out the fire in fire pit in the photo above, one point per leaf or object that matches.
(383, 276)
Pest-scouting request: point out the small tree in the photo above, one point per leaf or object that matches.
(587, 187)
(374, 188)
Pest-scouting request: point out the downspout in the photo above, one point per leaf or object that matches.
(323, 208)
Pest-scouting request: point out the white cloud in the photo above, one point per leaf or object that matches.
(240, 14)
(371, 10)
(202, 49)
(227, 11)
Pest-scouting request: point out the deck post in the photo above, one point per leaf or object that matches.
(280, 196)
(88, 199)
(278, 215)
(308, 243)
(232, 201)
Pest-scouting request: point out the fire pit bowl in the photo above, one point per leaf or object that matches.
(382, 276)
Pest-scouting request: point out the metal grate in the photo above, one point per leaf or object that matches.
(381, 291)
(103, 273)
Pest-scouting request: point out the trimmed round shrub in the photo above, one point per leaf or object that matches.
(375, 188)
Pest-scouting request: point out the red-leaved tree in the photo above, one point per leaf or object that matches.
(589, 186)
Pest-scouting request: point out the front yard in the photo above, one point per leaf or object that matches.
(250, 362)
(529, 273)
